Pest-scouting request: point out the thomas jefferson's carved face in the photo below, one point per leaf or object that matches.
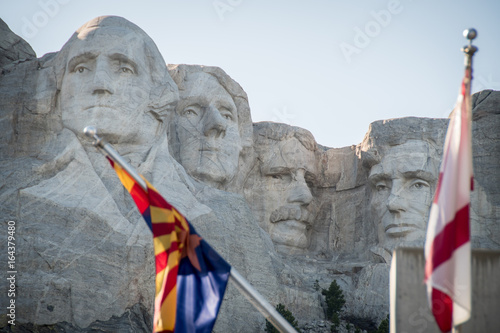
(402, 189)
(207, 130)
(107, 84)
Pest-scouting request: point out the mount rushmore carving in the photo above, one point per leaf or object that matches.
(281, 208)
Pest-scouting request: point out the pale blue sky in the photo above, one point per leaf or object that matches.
(288, 56)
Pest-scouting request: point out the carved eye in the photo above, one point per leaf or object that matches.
(309, 180)
(81, 69)
(280, 179)
(126, 70)
(189, 112)
(381, 186)
(225, 113)
(419, 184)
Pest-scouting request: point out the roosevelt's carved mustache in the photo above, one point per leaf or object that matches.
(291, 212)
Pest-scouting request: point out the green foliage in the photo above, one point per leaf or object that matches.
(316, 285)
(334, 300)
(335, 319)
(335, 323)
(384, 326)
(287, 315)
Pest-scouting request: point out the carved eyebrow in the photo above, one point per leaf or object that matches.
(229, 109)
(189, 105)
(78, 59)
(223, 103)
(123, 58)
(378, 177)
(422, 174)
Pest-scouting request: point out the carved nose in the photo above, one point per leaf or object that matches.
(213, 123)
(300, 193)
(103, 84)
(396, 203)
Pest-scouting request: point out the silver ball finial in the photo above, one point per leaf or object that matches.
(90, 131)
(470, 33)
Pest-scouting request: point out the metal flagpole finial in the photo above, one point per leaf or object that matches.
(469, 51)
(91, 132)
(470, 34)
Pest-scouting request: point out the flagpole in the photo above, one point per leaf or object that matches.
(469, 51)
(91, 132)
(255, 298)
(260, 303)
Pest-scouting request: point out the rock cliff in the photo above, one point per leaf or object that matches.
(291, 215)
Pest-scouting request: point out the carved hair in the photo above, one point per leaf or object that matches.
(384, 134)
(266, 133)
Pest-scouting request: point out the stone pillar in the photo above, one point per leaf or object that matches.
(409, 308)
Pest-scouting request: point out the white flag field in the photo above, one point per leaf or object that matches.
(447, 246)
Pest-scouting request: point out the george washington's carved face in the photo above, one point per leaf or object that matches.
(107, 83)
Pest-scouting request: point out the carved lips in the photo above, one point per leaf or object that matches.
(401, 224)
(402, 229)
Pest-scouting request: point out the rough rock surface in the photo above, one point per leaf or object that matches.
(485, 207)
(210, 132)
(289, 214)
(12, 47)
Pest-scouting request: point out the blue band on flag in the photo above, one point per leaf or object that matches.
(200, 293)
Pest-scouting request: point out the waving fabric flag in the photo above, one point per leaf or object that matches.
(447, 247)
(191, 277)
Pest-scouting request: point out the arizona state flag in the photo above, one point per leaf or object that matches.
(191, 277)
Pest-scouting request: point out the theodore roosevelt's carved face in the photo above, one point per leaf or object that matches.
(283, 195)
(206, 126)
(107, 83)
(402, 188)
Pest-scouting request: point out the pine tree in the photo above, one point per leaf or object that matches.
(334, 300)
(316, 285)
(384, 326)
(335, 323)
(287, 315)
